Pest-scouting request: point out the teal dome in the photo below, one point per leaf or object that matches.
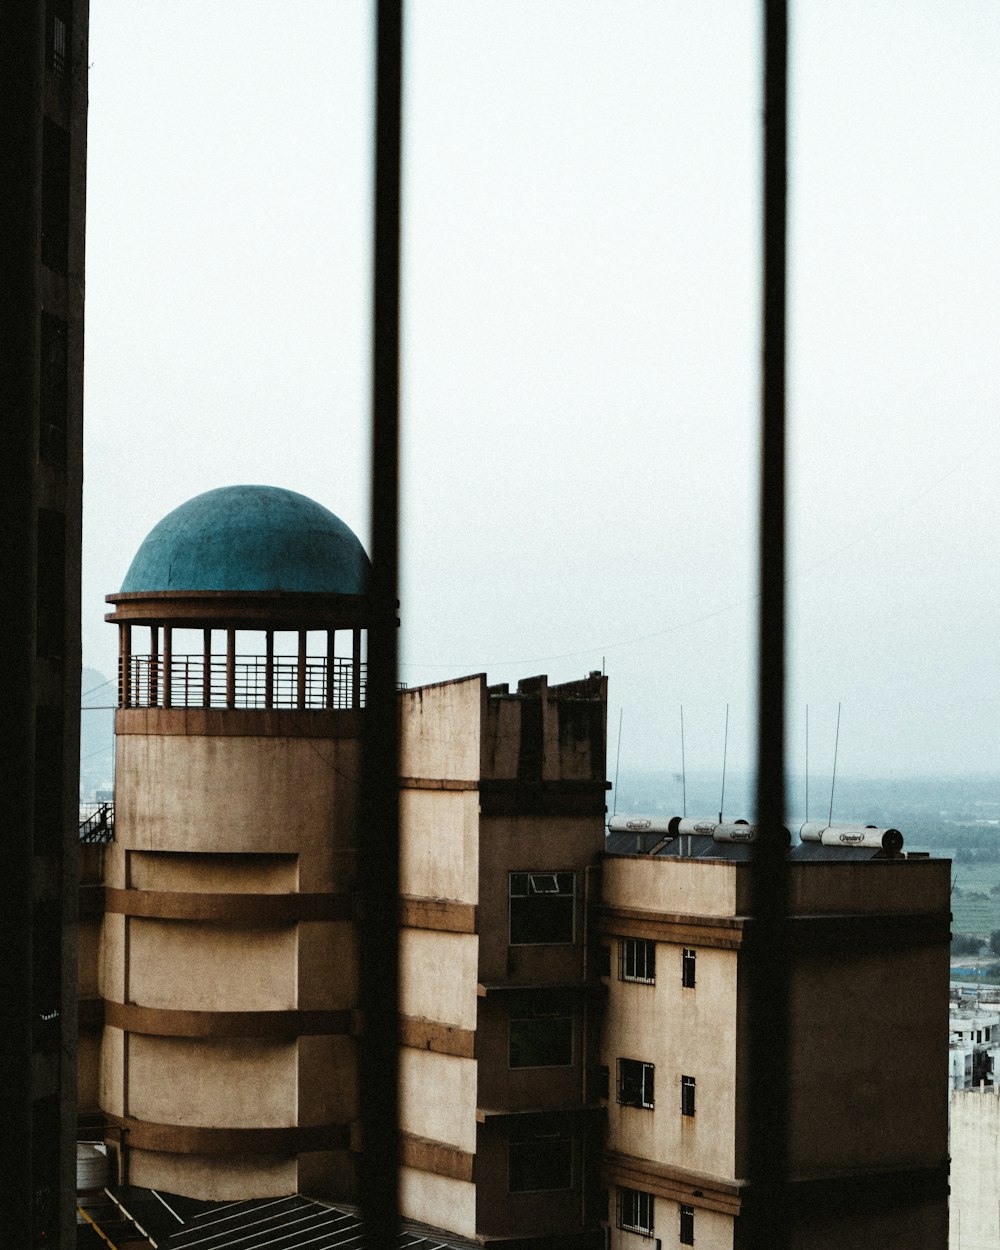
(250, 538)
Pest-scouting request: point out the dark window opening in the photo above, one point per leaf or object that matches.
(635, 1083)
(50, 571)
(687, 1095)
(539, 1161)
(49, 756)
(688, 968)
(687, 1226)
(541, 1040)
(46, 976)
(637, 960)
(541, 908)
(55, 196)
(53, 390)
(57, 37)
(635, 1211)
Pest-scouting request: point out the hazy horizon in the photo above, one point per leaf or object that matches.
(580, 340)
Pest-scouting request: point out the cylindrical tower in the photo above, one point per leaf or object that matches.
(229, 951)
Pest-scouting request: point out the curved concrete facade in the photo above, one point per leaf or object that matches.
(228, 962)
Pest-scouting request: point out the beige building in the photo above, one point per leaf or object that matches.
(975, 1168)
(574, 1016)
(869, 986)
(502, 827)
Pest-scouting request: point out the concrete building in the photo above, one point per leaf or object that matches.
(574, 1017)
(975, 1168)
(974, 1040)
(223, 1063)
(868, 970)
(228, 955)
(43, 106)
(502, 828)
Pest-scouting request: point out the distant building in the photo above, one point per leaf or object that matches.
(974, 1041)
(975, 1168)
(574, 1016)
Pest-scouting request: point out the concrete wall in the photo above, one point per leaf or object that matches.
(438, 1097)
(439, 844)
(689, 1032)
(231, 815)
(533, 844)
(438, 1200)
(706, 887)
(712, 1230)
(440, 729)
(438, 976)
(213, 1082)
(869, 1060)
(975, 1169)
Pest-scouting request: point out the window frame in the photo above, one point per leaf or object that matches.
(643, 970)
(519, 1015)
(645, 1076)
(689, 957)
(686, 1231)
(535, 887)
(640, 1199)
(688, 1086)
(532, 1138)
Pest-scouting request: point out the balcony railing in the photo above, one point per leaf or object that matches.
(248, 681)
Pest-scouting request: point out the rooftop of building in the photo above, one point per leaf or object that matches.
(250, 538)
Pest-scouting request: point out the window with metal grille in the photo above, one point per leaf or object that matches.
(58, 44)
(540, 1039)
(539, 1161)
(635, 1083)
(687, 1226)
(637, 960)
(687, 1095)
(53, 393)
(687, 968)
(55, 196)
(542, 908)
(635, 1211)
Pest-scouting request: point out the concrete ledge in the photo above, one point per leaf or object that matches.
(186, 1139)
(444, 1039)
(721, 932)
(219, 722)
(442, 914)
(167, 1022)
(189, 905)
(714, 1193)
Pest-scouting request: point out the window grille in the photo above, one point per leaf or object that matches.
(637, 960)
(635, 1211)
(635, 1083)
(687, 1095)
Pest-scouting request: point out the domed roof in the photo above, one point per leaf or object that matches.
(250, 538)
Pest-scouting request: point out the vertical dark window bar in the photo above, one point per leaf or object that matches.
(379, 796)
(20, 177)
(768, 1217)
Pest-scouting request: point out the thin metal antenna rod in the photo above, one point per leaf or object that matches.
(725, 752)
(684, 783)
(766, 950)
(833, 778)
(378, 798)
(618, 759)
(807, 763)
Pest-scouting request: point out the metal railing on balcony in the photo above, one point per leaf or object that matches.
(249, 681)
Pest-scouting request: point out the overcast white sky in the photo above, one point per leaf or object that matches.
(580, 339)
